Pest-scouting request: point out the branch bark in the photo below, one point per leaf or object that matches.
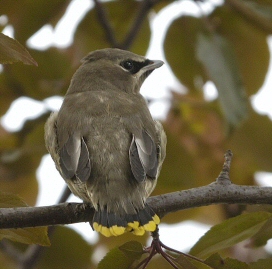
(222, 191)
(66, 213)
(102, 17)
(136, 26)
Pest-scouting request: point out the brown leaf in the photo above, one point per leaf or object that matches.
(12, 51)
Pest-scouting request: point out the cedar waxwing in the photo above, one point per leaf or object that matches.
(105, 143)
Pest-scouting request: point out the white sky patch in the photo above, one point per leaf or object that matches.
(22, 109)
(159, 108)
(262, 101)
(51, 183)
(9, 31)
(182, 236)
(53, 103)
(210, 91)
(264, 179)
(62, 35)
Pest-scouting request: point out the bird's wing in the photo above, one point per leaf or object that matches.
(143, 156)
(50, 137)
(74, 159)
(162, 141)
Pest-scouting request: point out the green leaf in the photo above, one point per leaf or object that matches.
(249, 43)
(229, 233)
(190, 263)
(219, 61)
(132, 249)
(179, 47)
(52, 77)
(12, 51)
(37, 235)
(263, 8)
(10, 200)
(261, 237)
(178, 164)
(161, 4)
(215, 261)
(122, 257)
(28, 16)
(263, 263)
(244, 145)
(68, 250)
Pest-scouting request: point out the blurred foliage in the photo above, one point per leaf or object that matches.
(227, 46)
(36, 235)
(68, 250)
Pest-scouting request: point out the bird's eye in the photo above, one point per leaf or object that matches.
(128, 65)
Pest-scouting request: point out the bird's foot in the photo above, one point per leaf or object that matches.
(158, 247)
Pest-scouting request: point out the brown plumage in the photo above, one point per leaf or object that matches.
(105, 143)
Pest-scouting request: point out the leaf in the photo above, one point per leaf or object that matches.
(37, 235)
(249, 43)
(179, 49)
(219, 61)
(28, 16)
(68, 250)
(10, 200)
(132, 249)
(178, 165)
(229, 233)
(252, 142)
(7, 262)
(190, 263)
(261, 237)
(263, 263)
(122, 257)
(161, 4)
(12, 51)
(51, 78)
(215, 261)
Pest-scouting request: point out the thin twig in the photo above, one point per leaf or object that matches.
(223, 177)
(136, 26)
(105, 23)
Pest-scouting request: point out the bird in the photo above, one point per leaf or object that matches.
(105, 143)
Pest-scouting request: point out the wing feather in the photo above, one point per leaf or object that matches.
(143, 157)
(74, 159)
(135, 163)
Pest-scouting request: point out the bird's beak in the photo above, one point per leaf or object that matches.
(153, 65)
(148, 69)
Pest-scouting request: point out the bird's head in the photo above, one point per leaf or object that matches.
(113, 69)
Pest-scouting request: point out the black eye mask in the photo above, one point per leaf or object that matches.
(133, 67)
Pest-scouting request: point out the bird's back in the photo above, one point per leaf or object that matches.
(107, 130)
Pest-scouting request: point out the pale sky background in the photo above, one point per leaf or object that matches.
(180, 236)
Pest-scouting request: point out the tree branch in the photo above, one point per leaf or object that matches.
(222, 191)
(136, 26)
(66, 213)
(105, 23)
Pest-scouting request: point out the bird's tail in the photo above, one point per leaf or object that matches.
(112, 224)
